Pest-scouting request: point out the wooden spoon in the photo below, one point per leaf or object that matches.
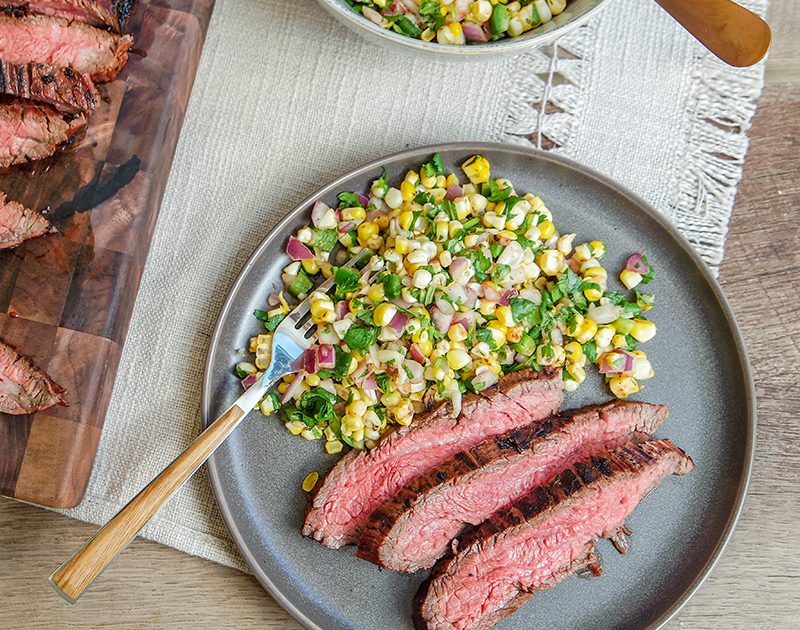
(737, 36)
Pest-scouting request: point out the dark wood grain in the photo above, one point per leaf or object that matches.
(66, 299)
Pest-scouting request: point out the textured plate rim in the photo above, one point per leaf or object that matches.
(477, 147)
(505, 46)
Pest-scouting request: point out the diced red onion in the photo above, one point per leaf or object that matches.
(445, 306)
(557, 337)
(317, 212)
(416, 353)
(472, 296)
(453, 190)
(347, 226)
(342, 309)
(298, 251)
(417, 371)
(293, 388)
(474, 33)
(609, 366)
(273, 300)
(574, 264)
(490, 293)
(459, 269)
(507, 295)
(248, 380)
(374, 214)
(372, 15)
(441, 320)
(399, 322)
(363, 199)
(326, 357)
(457, 293)
(310, 361)
(401, 303)
(465, 319)
(369, 384)
(636, 263)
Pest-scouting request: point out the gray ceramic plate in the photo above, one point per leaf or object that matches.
(701, 373)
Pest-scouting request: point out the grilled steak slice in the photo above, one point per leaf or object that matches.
(414, 528)
(362, 480)
(63, 88)
(33, 131)
(58, 42)
(18, 223)
(532, 545)
(103, 13)
(24, 388)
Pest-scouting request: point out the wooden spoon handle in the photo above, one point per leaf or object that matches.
(737, 36)
(77, 573)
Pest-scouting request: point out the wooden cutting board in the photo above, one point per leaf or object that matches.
(66, 299)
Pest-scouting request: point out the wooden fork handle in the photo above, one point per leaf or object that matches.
(77, 573)
(734, 34)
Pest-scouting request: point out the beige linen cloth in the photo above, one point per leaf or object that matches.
(286, 100)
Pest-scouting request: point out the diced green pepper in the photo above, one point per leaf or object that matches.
(301, 284)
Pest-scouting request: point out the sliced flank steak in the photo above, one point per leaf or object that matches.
(414, 528)
(24, 388)
(18, 223)
(58, 42)
(535, 543)
(33, 131)
(362, 480)
(63, 88)
(103, 13)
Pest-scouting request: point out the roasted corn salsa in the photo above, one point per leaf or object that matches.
(456, 22)
(461, 280)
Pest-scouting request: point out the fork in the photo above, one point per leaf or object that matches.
(290, 340)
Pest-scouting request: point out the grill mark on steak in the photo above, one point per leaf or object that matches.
(362, 480)
(59, 42)
(18, 223)
(24, 388)
(413, 529)
(62, 88)
(33, 131)
(111, 14)
(530, 546)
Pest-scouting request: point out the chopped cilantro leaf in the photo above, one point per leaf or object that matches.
(350, 200)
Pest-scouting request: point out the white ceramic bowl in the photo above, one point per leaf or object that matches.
(575, 14)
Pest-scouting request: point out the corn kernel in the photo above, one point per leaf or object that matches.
(426, 347)
(376, 293)
(546, 230)
(451, 34)
(603, 336)
(422, 278)
(477, 169)
(619, 341)
(643, 330)
(458, 359)
(504, 316)
(574, 352)
(312, 380)
(333, 446)
(598, 249)
(592, 294)
(282, 387)
(582, 253)
(514, 334)
(393, 198)
(310, 481)
(295, 427)
(401, 245)
(498, 331)
(481, 11)
(630, 278)
(354, 214)
(623, 386)
(407, 190)
(507, 235)
(366, 231)
(357, 408)
(405, 219)
(384, 313)
(550, 261)
(587, 330)
(457, 332)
